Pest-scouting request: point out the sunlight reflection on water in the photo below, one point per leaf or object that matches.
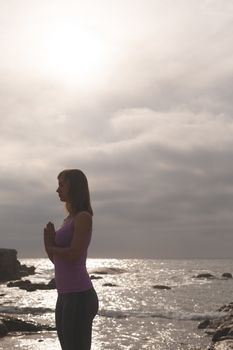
(132, 315)
(38, 341)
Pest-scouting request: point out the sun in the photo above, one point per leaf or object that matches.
(73, 54)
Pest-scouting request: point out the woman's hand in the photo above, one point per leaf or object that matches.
(49, 235)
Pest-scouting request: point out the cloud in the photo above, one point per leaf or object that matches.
(155, 139)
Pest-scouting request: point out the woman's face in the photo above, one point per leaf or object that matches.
(63, 189)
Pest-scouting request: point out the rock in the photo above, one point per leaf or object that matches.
(10, 267)
(31, 287)
(109, 285)
(204, 324)
(52, 284)
(20, 284)
(226, 308)
(13, 324)
(26, 270)
(93, 277)
(221, 329)
(16, 325)
(216, 324)
(222, 333)
(205, 275)
(227, 275)
(3, 329)
(158, 286)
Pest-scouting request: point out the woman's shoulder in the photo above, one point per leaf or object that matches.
(83, 214)
(83, 219)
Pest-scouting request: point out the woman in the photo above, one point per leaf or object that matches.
(77, 302)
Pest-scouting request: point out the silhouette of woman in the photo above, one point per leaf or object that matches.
(77, 301)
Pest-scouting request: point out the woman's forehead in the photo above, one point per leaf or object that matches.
(61, 178)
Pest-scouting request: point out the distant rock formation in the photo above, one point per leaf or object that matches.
(227, 275)
(205, 275)
(159, 286)
(10, 267)
(108, 284)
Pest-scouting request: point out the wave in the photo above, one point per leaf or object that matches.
(170, 315)
(179, 316)
(107, 271)
(24, 310)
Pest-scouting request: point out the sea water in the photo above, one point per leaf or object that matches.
(132, 314)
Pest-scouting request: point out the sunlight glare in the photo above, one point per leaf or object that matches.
(74, 55)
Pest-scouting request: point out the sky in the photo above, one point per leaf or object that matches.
(137, 94)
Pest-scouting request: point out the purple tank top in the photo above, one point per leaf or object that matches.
(70, 276)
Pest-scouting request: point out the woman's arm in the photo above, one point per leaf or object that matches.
(80, 240)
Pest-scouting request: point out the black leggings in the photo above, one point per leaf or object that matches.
(74, 315)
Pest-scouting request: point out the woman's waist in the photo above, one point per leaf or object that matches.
(60, 264)
(72, 280)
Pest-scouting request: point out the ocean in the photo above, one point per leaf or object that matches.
(132, 314)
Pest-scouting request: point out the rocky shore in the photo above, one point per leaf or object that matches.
(12, 273)
(12, 270)
(220, 329)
